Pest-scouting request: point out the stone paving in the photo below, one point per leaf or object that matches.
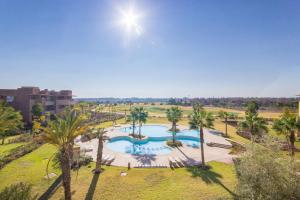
(192, 154)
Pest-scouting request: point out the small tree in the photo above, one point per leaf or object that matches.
(264, 174)
(226, 116)
(174, 114)
(10, 120)
(288, 125)
(252, 123)
(142, 116)
(17, 192)
(37, 110)
(100, 133)
(133, 117)
(200, 119)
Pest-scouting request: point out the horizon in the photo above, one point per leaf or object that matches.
(155, 49)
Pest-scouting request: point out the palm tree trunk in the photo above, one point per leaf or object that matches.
(226, 126)
(99, 154)
(292, 140)
(66, 174)
(202, 146)
(174, 131)
(133, 127)
(3, 139)
(140, 126)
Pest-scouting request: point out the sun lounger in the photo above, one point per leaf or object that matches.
(104, 158)
(173, 163)
(110, 160)
(179, 161)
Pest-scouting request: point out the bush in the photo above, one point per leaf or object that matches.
(176, 144)
(83, 160)
(265, 174)
(22, 138)
(17, 192)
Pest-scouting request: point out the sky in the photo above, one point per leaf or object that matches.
(153, 48)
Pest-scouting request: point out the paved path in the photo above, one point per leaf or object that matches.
(190, 153)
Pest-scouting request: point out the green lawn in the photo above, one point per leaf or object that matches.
(29, 168)
(184, 183)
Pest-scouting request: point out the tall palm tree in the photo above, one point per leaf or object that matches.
(61, 133)
(133, 117)
(10, 120)
(142, 116)
(288, 125)
(200, 119)
(253, 123)
(100, 133)
(174, 114)
(226, 116)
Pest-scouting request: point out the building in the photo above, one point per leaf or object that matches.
(24, 98)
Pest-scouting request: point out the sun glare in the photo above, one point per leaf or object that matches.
(130, 21)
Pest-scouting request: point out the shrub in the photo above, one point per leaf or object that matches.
(172, 144)
(22, 138)
(265, 174)
(17, 192)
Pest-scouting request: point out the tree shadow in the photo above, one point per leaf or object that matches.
(209, 177)
(145, 159)
(91, 191)
(189, 160)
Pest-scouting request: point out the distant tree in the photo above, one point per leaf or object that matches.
(17, 191)
(142, 116)
(174, 114)
(288, 125)
(10, 121)
(200, 119)
(264, 174)
(252, 123)
(37, 110)
(226, 116)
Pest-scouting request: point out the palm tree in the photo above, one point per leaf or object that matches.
(253, 123)
(288, 125)
(225, 116)
(10, 120)
(174, 114)
(200, 119)
(100, 133)
(133, 117)
(142, 116)
(61, 133)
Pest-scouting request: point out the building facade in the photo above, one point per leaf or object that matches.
(24, 98)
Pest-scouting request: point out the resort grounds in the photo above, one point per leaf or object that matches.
(165, 183)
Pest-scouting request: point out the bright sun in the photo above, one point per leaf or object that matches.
(130, 20)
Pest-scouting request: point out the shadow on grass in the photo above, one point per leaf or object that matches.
(209, 177)
(91, 191)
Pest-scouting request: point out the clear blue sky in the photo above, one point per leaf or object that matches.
(186, 48)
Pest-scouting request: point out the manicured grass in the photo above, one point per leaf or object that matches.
(30, 168)
(184, 183)
(4, 149)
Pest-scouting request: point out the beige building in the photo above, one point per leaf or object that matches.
(24, 98)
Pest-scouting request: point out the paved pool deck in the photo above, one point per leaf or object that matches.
(191, 154)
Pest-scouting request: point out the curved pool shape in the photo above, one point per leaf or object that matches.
(154, 144)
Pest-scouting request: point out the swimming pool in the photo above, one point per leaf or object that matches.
(154, 143)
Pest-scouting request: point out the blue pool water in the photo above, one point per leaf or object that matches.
(155, 143)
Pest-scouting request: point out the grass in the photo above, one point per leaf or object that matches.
(184, 183)
(31, 169)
